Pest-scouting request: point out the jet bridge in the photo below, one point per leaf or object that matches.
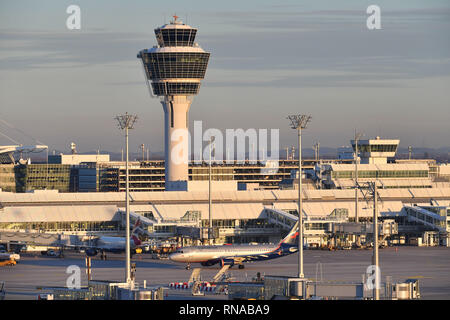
(144, 222)
(183, 226)
(281, 218)
(436, 218)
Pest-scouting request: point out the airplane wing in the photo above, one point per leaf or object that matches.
(235, 259)
(247, 257)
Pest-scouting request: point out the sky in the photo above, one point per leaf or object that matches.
(269, 59)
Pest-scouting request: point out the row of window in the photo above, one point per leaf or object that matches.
(175, 37)
(425, 218)
(175, 64)
(281, 218)
(315, 226)
(63, 226)
(162, 229)
(377, 148)
(380, 174)
(440, 211)
(191, 216)
(174, 88)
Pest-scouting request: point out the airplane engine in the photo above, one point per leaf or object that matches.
(229, 262)
(209, 263)
(91, 252)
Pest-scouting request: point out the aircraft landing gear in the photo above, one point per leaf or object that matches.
(241, 266)
(103, 255)
(188, 266)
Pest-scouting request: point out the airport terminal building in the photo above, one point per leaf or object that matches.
(237, 216)
(247, 203)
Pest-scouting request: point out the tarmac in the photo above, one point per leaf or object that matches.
(431, 265)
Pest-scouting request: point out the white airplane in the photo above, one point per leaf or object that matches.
(114, 244)
(236, 254)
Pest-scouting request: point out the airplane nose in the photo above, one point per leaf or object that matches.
(174, 256)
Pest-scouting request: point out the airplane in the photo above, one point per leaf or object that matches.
(236, 254)
(114, 244)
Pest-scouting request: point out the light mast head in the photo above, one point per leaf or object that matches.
(177, 64)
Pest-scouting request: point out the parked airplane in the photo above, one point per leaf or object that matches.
(114, 244)
(236, 254)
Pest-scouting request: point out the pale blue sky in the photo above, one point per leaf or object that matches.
(268, 59)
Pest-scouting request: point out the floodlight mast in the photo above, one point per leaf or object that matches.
(317, 151)
(357, 138)
(127, 122)
(372, 190)
(210, 233)
(300, 122)
(375, 260)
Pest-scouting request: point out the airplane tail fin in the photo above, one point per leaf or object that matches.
(292, 236)
(133, 233)
(136, 240)
(136, 225)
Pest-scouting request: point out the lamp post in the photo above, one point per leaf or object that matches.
(375, 261)
(357, 137)
(299, 122)
(210, 228)
(317, 151)
(372, 191)
(126, 122)
(209, 193)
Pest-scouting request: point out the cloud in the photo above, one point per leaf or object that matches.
(53, 49)
(279, 40)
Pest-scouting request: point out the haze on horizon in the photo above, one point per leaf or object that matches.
(269, 59)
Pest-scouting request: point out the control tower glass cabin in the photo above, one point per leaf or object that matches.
(175, 68)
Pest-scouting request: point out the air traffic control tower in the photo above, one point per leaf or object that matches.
(175, 68)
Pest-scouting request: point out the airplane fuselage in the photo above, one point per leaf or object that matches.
(111, 244)
(208, 255)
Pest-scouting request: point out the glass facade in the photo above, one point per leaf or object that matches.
(46, 176)
(376, 147)
(191, 216)
(174, 88)
(439, 223)
(380, 174)
(164, 229)
(217, 173)
(187, 65)
(149, 176)
(339, 213)
(63, 226)
(224, 223)
(176, 37)
(7, 177)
